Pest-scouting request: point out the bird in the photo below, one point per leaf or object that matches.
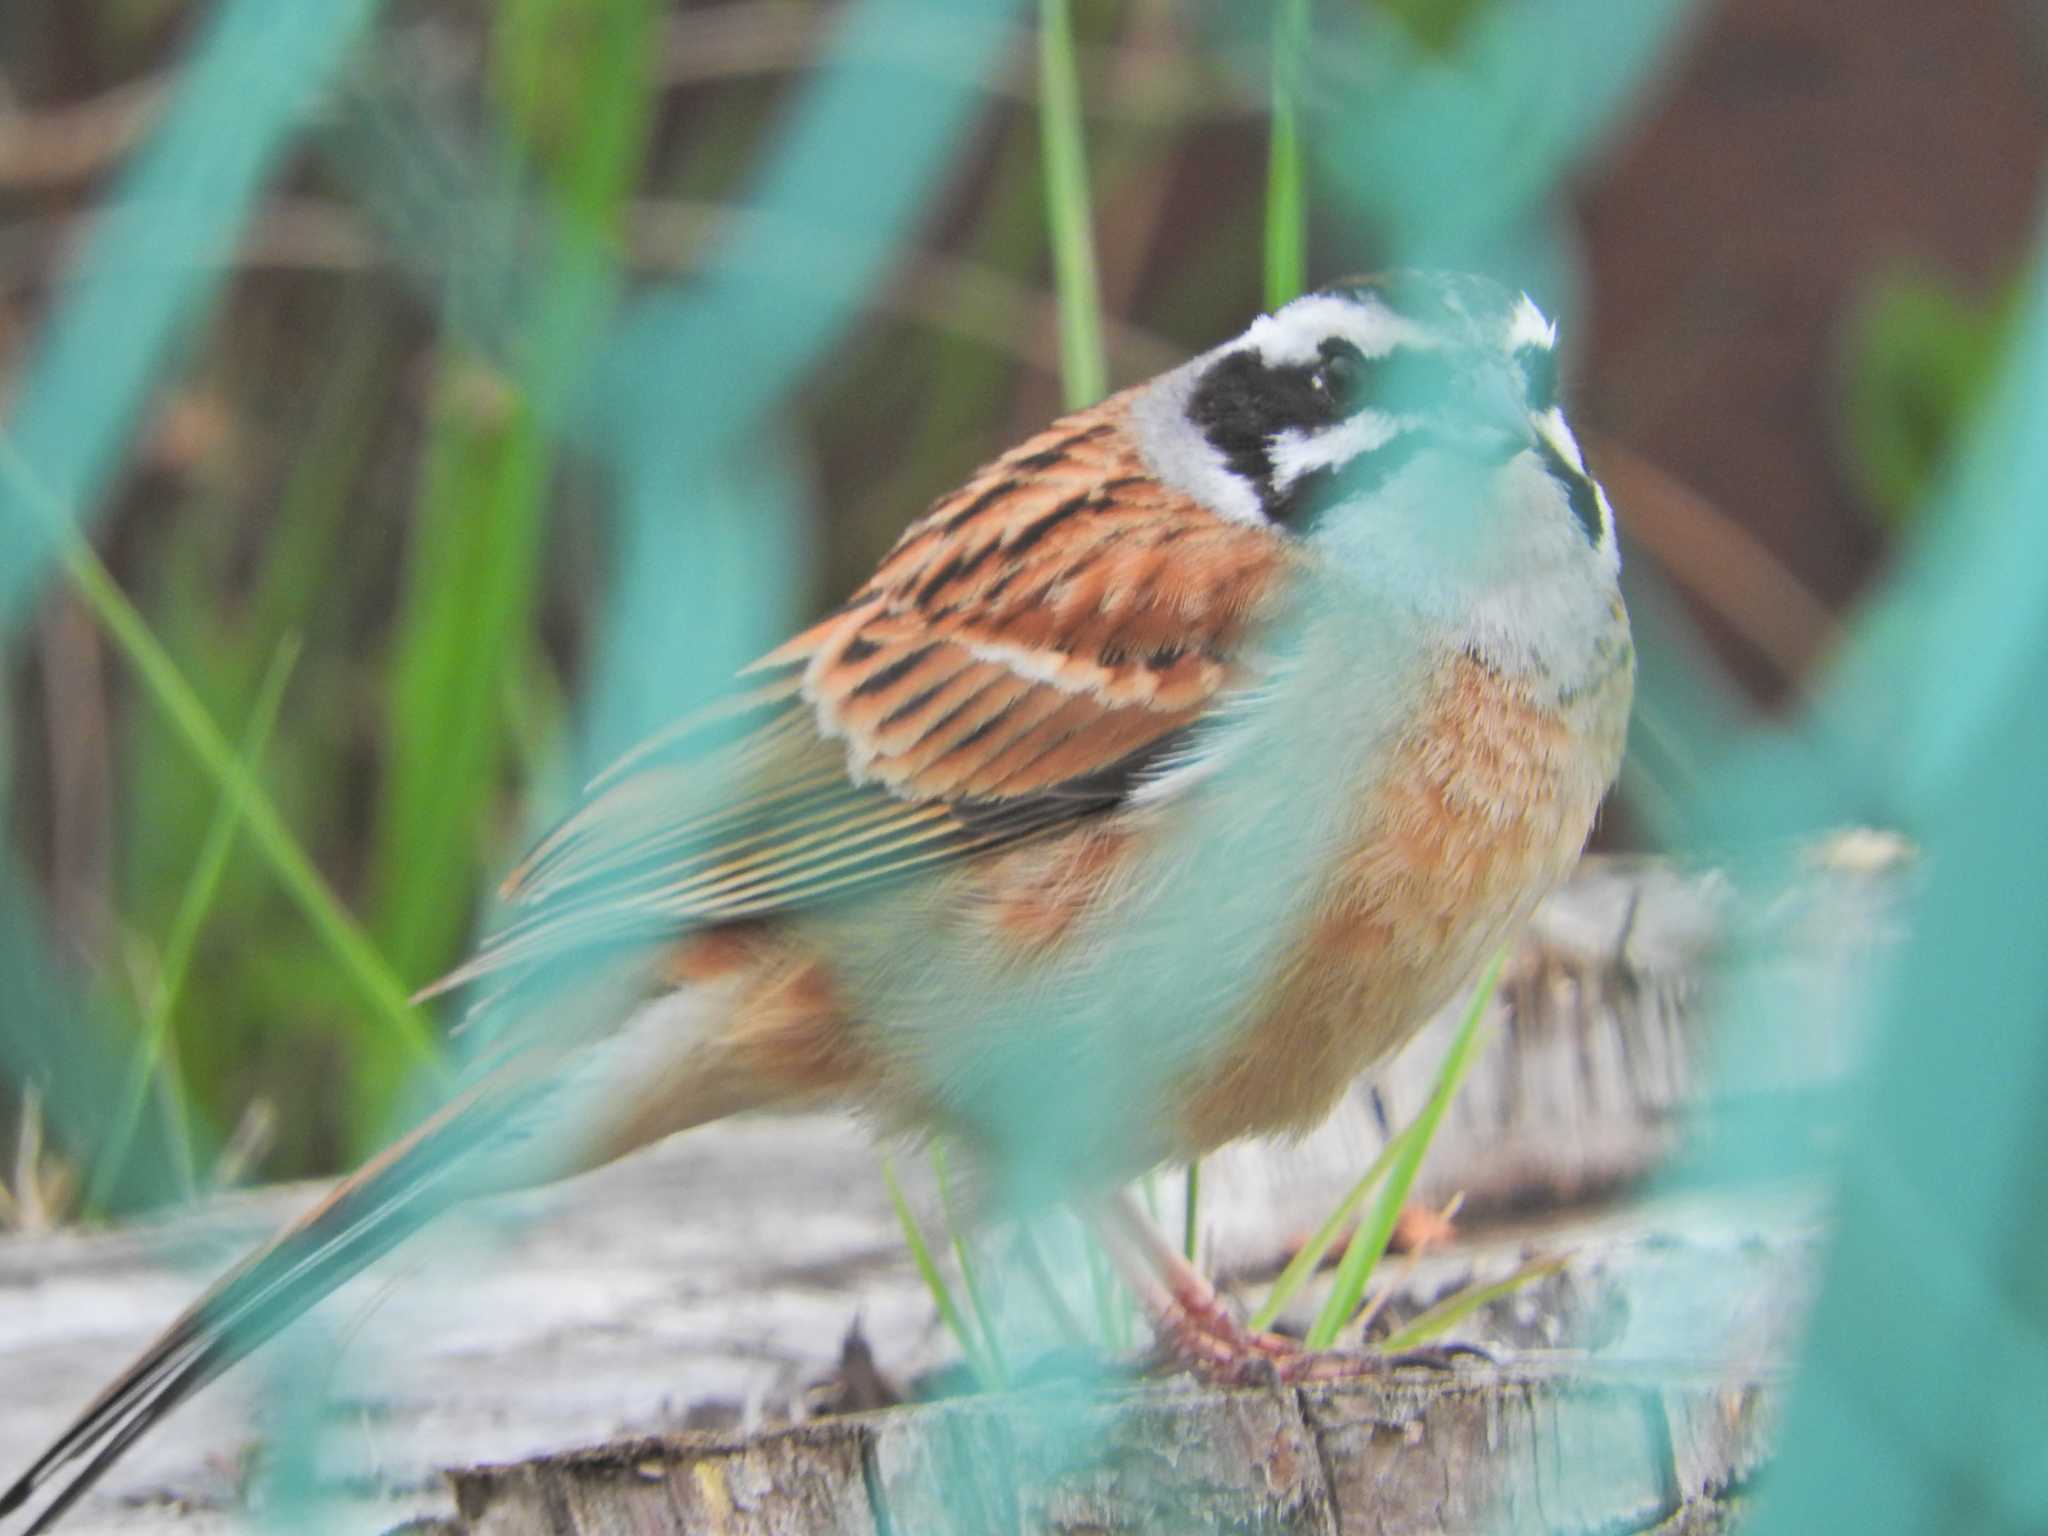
(1165, 775)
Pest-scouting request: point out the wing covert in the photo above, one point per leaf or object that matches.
(1025, 653)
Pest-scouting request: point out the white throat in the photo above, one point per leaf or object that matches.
(1489, 560)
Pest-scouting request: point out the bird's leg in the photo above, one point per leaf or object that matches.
(1197, 1331)
(1195, 1327)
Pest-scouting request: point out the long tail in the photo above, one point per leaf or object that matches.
(364, 1218)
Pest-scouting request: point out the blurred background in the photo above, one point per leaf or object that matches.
(1785, 262)
(448, 393)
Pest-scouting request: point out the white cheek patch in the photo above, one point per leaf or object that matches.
(1295, 453)
(1527, 327)
(1178, 453)
(1293, 336)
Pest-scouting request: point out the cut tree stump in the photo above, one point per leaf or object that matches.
(708, 1283)
(1418, 1452)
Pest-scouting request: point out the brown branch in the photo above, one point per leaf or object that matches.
(60, 146)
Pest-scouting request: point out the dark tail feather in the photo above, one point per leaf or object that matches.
(366, 1217)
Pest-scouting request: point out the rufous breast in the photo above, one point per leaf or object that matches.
(1483, 807)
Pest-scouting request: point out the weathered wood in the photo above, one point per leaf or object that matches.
(1151, 1460)
(776, 1485)
(1414, 1454)
(708, 1282)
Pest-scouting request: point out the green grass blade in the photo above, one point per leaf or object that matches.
(150, 1065)
(942, 1294)
(1304, 1263)
(471, 579)
(575, 79)
(1286, 165)
(1369, 1243)
(1084, 363)
(1464, 1302)
(270, 995)
(406, 1039)
(968, 1277)
(578, 79)
(1191, 1218)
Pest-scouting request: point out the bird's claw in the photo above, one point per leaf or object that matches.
(1212, 1345)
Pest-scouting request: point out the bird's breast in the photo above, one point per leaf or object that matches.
(1480, 809)
(1126, 968)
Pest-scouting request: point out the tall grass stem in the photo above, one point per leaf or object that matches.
(150, 1064)
(969, 1271)
(1310, 1256)
(978, 1359)
(405, 1034)
(1369, 1243)
(1286, 241)
(1084, 362)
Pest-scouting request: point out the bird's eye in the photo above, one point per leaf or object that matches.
(1539, 376)
(1342, 365)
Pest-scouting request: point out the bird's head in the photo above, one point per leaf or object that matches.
(1408, 428)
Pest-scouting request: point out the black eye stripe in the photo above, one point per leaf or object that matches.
(1578, 489)
(1242, 402)
(1245, 406)
(1343, 369)
(1410, 381)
